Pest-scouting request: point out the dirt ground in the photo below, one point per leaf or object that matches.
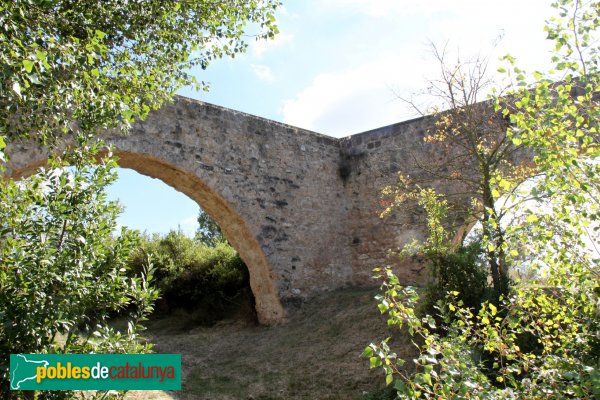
(316, 355)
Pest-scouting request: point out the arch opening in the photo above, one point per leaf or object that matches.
(236, 230)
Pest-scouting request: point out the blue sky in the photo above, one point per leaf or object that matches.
(335, 68)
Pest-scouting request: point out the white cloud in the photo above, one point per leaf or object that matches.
(259, 48)
(263, 72)
(382, 8)
(282, 11)
(471, 25)
(469, 10)
(357, 99)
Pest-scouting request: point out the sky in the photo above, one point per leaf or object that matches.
(338, 67)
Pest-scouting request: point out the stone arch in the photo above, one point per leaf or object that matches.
(275, 190)
(235, 228)
(237, 231)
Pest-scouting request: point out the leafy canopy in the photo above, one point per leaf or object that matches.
(64, 271)
(78, 65)
(208, 232)
(70, 68)
(541, 340)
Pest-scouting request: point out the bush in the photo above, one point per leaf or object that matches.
(59, 259)
(480, 355)
(209, 280)
(460, 271)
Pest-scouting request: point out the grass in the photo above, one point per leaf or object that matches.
(316, 355)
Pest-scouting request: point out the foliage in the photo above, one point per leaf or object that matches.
(458, 271)
(71, 66)
(208, 231)
(476, 157)
(456, 364)
(541, 340)
(59, 260)
(206, 279)
(449, 269)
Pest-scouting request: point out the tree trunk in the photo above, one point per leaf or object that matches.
(496, 256)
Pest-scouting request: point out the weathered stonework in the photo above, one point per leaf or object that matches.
(301, 208)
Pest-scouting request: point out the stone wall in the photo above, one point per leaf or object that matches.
(301, 208)
(274, 189)
(373, 160)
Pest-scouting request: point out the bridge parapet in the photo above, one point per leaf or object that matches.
(301, 208)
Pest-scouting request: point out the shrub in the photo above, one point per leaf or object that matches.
(480, 354)
(59, 259)
(195, 276)
(459, 271)
(463, 270)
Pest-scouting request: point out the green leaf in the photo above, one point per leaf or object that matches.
(374, 362)
(367, 352)
(28, 64)
(127, 115)
(99, 34)
(389, 379)
(41, 55)
(33, 78)
(532, 218)
(504, 184)
(427, 378)
(399, 385)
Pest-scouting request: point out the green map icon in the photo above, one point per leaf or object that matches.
(23, 369)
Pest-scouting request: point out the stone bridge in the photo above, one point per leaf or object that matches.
(301, 208)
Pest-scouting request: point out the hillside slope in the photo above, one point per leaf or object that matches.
(316, 355)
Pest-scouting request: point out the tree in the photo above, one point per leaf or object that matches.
(68, 68)
(208, 231)
(478, 160)
(64, 271)
(208, 280)
(80, 65)
(541, 339)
